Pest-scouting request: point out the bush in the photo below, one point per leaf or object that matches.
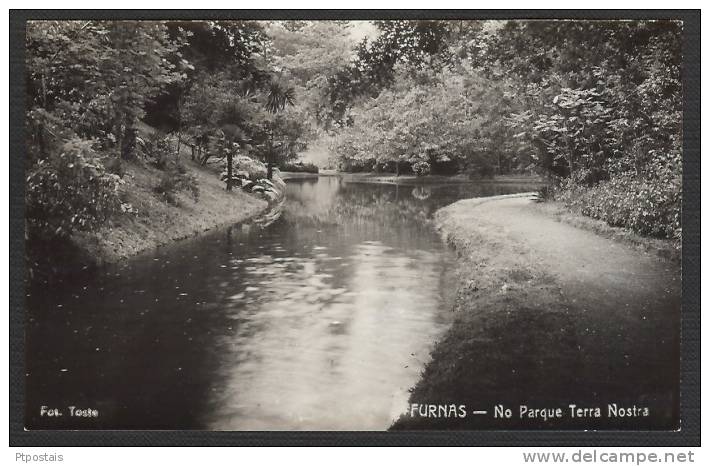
(175, 179)
(70, 189)
(482, 169)
(650, 207)
(545, 193)
(115, 166)
(356, 166)
(157, 149)
(299, 167)
(254, 168)
(421, 168)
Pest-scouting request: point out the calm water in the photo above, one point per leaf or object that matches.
(322, 320)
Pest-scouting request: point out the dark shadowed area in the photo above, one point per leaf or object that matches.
(584, 320)
(322, 320)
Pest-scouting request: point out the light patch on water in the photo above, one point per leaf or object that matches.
(332, 357)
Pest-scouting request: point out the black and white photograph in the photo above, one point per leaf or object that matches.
(381, 225)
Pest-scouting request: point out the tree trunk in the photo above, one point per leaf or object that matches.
(229, 170)
(203, 158)
(570, 151)
(128, 142)
(270, 156)
(41, 141)
(44, 91)
(179, 118)
(177, 154)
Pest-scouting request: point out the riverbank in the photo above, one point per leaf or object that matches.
(297, 175)
(157, 223)
(548, 315)
(391, 178)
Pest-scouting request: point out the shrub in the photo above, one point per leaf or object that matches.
(299, 167)
(545, 193)
(115, 165)
(421, 168)
(481, 169)
(70, 189)
(254, 168)
(175, 179)
(650, 207)
(157, 149)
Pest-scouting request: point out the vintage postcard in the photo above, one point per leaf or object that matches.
(325, 224)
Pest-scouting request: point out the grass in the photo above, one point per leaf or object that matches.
(500, 292)
(520, 338)
(666, 249)
(157, 222)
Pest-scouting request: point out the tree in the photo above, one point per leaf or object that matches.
(88, 83)
(97, 76)
(207, 48)
(583, 105)
(280, 136)
(307, 54)
(405, 45)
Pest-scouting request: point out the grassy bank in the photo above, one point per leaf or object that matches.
(498, 295)
(156, 222)
(669, 249)
(589, 326)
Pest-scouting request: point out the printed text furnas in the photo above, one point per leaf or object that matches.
(437, 411)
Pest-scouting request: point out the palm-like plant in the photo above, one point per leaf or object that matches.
(279, 96)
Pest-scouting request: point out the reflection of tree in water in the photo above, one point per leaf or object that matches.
(366, 212)
(394, 207)
(421, 192)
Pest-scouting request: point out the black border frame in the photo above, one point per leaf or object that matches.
(687, 435)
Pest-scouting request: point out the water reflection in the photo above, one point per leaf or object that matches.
(328, 342)
(323, 320)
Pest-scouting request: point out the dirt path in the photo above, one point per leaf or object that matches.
(548, 315)
(600, 272)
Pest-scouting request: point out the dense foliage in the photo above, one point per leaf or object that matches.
(92, 85)
(606, 116)
(439, 122)
(595, 105)
(70, 189)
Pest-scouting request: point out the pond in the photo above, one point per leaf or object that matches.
(323, 320)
